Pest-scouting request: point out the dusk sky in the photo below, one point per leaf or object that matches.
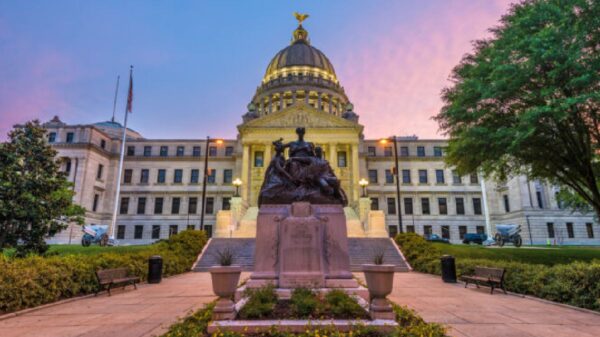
(197, 64)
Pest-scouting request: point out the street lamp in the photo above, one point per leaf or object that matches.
(208, 141)
(364, 183)
(396, 173)
(237, 183)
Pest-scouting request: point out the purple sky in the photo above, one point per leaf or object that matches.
(197, 64)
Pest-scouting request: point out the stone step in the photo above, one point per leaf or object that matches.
(361, 250)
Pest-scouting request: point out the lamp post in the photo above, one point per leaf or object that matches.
(397, 174)
(204, 182)
(237, 183)
(363, 183)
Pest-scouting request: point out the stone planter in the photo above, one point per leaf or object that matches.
(380, 281)
(224, 282)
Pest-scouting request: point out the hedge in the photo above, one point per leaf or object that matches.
(574, 283)
(34, 280)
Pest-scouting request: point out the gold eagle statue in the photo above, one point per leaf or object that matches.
(300, 17)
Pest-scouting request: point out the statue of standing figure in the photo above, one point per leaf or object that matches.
(305, 176)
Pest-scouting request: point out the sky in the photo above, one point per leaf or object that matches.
(197, 63)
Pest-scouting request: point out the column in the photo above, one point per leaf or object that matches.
(267, 157)
(306, 96)
(330, 104)
(340, 107)
(320, 100)
(355, 173)
(245, 170)
(281, 101)
(332, 155)
(294, 97)
(270, 104)
(262, 107)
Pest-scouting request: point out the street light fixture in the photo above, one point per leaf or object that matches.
(364, 183)
(208, 141)
(237, 183)
(384, 141)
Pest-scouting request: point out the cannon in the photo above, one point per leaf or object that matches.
(508, 233)
(94, 234)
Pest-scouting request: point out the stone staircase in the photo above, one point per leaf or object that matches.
(361, 252)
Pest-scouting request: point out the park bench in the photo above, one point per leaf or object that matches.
(493, 277)
(108, 278)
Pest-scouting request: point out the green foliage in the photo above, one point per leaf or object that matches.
(225, 257)
(573, 283)
(341, 304)
(378, 257)
(261, 302)
(304, 303)
(36, 200)
(527, 99)
(413, 325)
(193, 325)
(34, 280)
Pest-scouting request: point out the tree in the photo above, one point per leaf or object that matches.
(526, 101)
(36, 200)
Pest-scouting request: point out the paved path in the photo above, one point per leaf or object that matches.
(474, 312)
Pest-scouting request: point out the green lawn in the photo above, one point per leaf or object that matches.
(79, 249)
(537, 255)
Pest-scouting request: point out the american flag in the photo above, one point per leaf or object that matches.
(130, 93)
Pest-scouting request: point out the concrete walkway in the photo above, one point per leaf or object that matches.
(474, 312)
(150, 310)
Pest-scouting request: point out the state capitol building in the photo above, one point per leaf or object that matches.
(161, 183)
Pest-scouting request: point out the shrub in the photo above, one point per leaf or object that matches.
(34, 280)
(261, 302)
(304, 302)
(342, 305)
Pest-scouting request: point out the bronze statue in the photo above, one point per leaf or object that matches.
(305, 176)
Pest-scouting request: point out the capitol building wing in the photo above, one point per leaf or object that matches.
(161, 183)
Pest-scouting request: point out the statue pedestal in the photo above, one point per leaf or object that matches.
(302, 245)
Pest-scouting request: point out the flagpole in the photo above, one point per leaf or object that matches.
(115, 101)
(120, 170)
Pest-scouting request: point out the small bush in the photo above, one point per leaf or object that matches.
(261, 302)
(341, 304)
(304, 303)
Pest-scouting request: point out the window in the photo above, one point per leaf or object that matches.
(590, 230)
(570, 231)
(212, 176)
(161, 177)
(103, 143)
(404, 151)
(540, 202)
(462, 230)
(439, 176)
(212, 151)
(446, 232)
(95, 204)
(127, 176)
(420, 151)
(258, 158)
(173, 230)
(227, 176)
(456, 179)
(180, 150)
(406, 176)
(372, 176)
(374, 204)
(460, 206)
(158, 205)
(194, 176)
(427, 230)
(229, 151)
(210, 205)
(190, 227)
(387, 151)
(371, 151)
(422, 176)
(70, 136)
(141, 206)
(506, 203)
(138, 231)
(389, 177)
(155, 231)
(425, 206)
(393, 231)
(550, 227)
(178, 176)
(408, 206)
(130, 150)
(124, 208)
(164, 151)
(145, 176)
(175, 203)
(192, 205)
(120, 232)
(410, 229)
(437, 151)
(68, 166)
(473, 178)
(147, 151)
(99, 173)
(480, 229)
(51, 137)
(391, 205)
(477, 206)
(196, 151)
(341, 158)
(226, 203)
(443, 206)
